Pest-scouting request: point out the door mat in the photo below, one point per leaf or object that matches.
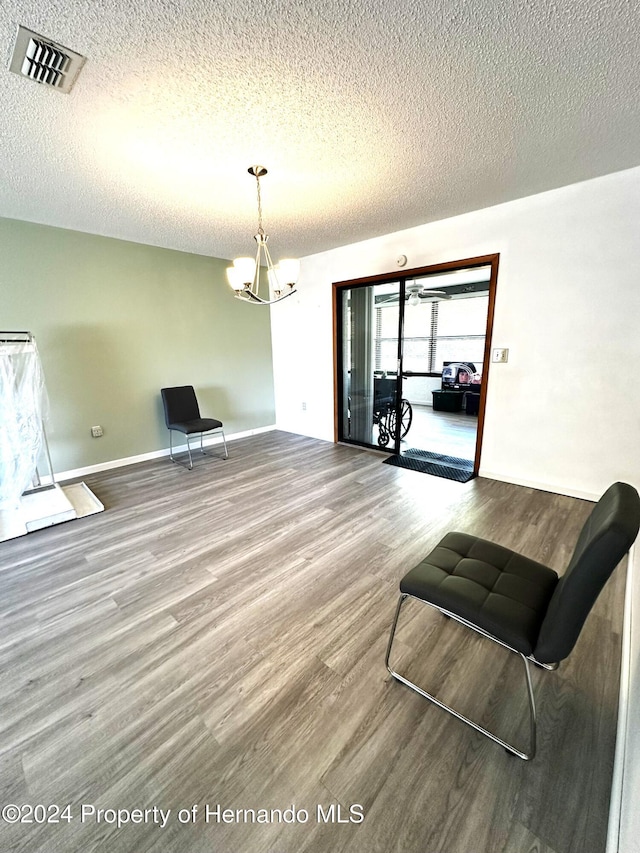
(436, 464)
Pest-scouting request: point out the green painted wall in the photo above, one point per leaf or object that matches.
(115, 322)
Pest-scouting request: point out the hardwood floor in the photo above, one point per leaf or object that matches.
(451, 433)
(217, 637)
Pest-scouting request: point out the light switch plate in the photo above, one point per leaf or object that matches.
(500, 355)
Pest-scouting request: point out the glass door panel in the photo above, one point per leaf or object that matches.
(445, 328)
(369, 340)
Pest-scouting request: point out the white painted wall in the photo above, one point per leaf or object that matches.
(564, 413)
(418, 389)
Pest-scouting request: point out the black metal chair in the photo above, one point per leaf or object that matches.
(182, 414)
(519, 603)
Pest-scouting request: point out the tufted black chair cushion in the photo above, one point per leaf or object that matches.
(519, 601)
(492, 587)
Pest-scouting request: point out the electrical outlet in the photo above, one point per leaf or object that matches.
(97, 431)
(500, 355)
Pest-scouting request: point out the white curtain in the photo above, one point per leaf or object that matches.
(23, 405)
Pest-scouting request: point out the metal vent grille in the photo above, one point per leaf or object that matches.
(44, 61)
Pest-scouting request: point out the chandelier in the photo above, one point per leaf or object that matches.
(244, 276)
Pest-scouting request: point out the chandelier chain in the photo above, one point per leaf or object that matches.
(260, 228)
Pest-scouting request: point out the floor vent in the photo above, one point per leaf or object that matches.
(44, 61)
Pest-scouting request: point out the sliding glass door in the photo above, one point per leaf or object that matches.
(369, 320)
(412, 358)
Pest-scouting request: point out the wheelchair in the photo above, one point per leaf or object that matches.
(387, 416)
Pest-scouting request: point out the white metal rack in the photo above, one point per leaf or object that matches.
(28, 506)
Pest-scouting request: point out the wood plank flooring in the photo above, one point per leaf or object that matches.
(451, 433)
(217, 637)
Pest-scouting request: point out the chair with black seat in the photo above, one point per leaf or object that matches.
(182, 414)
(518, 603)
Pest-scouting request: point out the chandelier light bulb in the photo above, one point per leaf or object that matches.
(241, 274)
(288, 271)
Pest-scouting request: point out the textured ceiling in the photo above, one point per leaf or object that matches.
(371, 116)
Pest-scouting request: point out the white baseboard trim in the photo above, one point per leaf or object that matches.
(154, 454)
(556, 488)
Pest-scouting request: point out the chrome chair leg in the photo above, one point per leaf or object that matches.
(526, 756)
(173, 458)
(189, 467)
(224, 442)
(401, 600)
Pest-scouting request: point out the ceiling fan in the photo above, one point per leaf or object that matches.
(416, 292)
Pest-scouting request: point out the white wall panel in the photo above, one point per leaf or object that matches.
(564, 413)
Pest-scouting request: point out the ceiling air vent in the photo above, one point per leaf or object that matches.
(44, 61)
